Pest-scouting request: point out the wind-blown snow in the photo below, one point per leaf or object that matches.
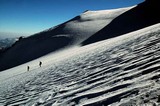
(120, 71)
(68, 34)
(88, 23)
(92, 21)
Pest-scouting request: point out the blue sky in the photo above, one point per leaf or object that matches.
(32, 16)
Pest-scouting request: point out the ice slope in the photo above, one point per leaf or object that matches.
(122, 71)
(67, 34)
(141, 16)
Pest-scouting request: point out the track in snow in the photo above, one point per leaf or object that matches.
(125, 74)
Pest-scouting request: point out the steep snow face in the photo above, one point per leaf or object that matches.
(90, 22)
(139, 17)
(120, 71)
(84, 25)
(67, 34)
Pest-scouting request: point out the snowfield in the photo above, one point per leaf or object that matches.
(122, 71)
(118, 66)
(70, 33)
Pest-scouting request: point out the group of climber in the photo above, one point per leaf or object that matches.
(40, 64)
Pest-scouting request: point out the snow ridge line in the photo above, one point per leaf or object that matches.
(124, 74)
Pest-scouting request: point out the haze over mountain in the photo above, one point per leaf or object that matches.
(91, 25)
(4, 35)
(70, 33)
(7, 42)
(110, 70)
(7, 39)
(33, 16)
(122, 71)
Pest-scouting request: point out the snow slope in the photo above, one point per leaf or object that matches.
(120, 71)
(87, 28)
(141, 16)
(67, 34)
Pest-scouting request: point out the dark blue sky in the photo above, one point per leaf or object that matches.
(32, 16)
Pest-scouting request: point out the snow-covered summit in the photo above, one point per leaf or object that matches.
(70, 33)
(87, 28)
(141, 16)
(119, 66)
(121, 71)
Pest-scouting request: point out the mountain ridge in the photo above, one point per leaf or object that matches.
(67, 34)
(87, 28)
(139, 17)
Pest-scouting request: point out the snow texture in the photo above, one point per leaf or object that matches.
(122, 71)
(70, 33)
